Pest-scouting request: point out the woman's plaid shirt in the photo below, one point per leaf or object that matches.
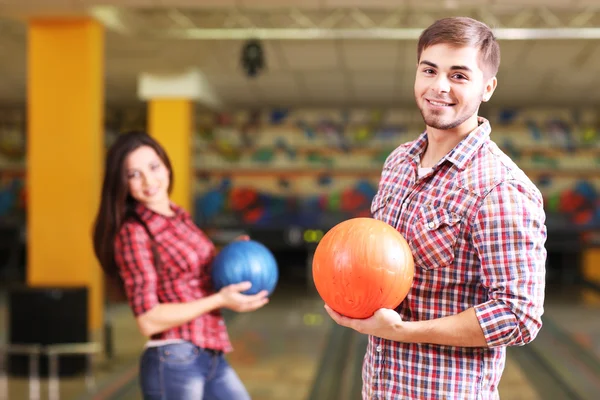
(185, 254)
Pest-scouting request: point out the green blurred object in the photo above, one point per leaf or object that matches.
(362, 134)
(589, 136)
(553, 202)
(263, 155)
(334, 201)
(382, 155)
(228, 152)
(313, 157)
(544, 160)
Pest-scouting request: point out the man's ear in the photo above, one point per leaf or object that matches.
(490, 87)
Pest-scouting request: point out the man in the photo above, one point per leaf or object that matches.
(476, 226)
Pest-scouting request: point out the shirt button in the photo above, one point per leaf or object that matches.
(379, 349)
(431, 225)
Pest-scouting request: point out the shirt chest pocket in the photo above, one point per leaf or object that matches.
(379, 203)
(434, 237)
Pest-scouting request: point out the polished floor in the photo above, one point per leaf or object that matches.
(578, 314)
(278, 350)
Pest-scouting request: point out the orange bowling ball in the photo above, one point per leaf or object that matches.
(362, 265)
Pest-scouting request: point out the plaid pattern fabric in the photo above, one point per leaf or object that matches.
(476, 228)
(185, 254)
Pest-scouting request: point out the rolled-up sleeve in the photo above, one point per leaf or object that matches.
(509, 235)
(133, 255)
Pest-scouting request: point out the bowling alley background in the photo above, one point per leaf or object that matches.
(312, 168)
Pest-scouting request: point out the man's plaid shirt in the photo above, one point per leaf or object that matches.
(476, 227)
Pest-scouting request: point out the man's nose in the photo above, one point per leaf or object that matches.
(441, 84)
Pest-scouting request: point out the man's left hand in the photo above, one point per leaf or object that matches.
(385, 323)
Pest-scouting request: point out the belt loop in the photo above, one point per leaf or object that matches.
(213, 352)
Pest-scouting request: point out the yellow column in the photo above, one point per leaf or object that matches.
(171, 122)
(591, 272)
(171, 98)
(64, 154)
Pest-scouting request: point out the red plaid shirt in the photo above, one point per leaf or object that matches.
(185, 255)
(476, 227)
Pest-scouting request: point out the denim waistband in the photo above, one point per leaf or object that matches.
(165, 347)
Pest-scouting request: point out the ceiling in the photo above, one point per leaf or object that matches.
(347, 63)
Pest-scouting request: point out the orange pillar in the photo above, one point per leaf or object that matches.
(65, 145)
(172, 99)
(591, 272)
(171, 122)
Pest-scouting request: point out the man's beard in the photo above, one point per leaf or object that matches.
(436, 121)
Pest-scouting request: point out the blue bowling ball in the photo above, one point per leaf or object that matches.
(245, 260)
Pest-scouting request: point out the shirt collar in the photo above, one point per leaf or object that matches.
(147, 214)
(462, 152)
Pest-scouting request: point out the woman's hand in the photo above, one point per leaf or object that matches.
(233, 299)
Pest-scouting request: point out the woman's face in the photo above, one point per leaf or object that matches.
(147, 177)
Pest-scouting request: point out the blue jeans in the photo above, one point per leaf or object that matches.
(183, 371)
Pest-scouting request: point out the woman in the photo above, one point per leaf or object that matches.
(162, 259)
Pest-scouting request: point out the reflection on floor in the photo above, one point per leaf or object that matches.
(577, 310)
(277, 351)
(278, 348)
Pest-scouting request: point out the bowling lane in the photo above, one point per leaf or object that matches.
(576, 309)
(278, 348)
(563, 361)
(279, 351)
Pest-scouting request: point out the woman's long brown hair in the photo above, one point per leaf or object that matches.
(116, 205)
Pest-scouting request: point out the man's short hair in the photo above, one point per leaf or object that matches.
(460, 32)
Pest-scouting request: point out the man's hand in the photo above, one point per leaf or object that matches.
(461, 329)
(385, 323)
(242, 238)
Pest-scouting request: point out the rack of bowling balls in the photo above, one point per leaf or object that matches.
(246, 206)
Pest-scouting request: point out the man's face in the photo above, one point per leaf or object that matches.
(450, 85)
